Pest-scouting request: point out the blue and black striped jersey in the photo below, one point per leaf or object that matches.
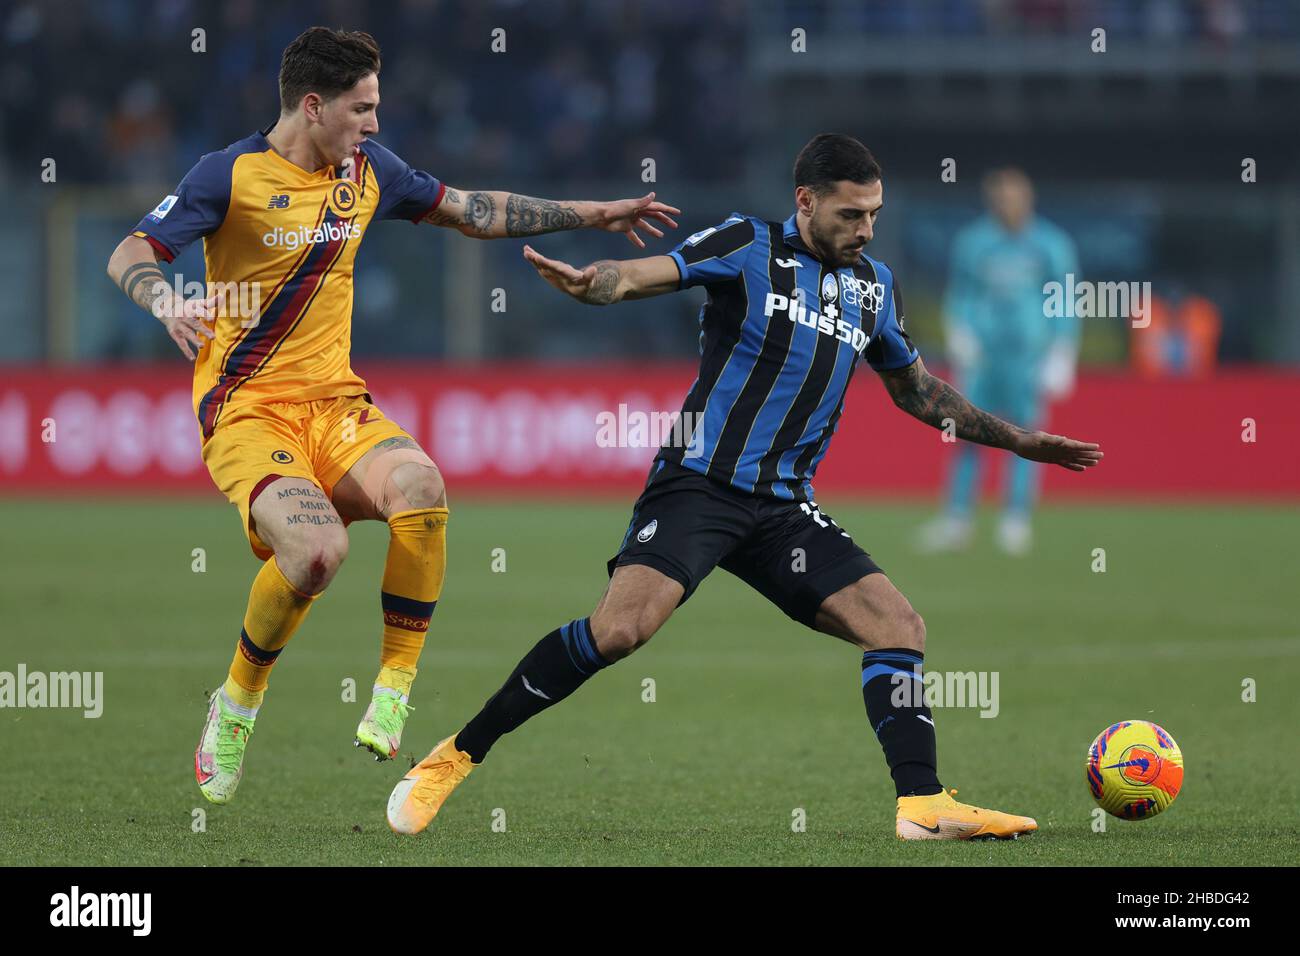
(780, 337)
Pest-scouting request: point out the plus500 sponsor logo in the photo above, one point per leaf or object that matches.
(282, 238)
(825, 324)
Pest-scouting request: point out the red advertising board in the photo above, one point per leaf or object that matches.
(524, 429)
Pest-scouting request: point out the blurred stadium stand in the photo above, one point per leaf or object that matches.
(1137, 151)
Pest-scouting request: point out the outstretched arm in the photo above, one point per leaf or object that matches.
(609, 280)
(484, 214)
(934, 401)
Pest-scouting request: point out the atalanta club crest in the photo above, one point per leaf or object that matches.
(648, 532)
(830, 288)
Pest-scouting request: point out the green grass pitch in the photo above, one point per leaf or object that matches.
(754, 717)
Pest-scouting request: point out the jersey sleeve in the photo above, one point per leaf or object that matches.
(716, 254)
(404, 193)
(892, 347)
(196, 209)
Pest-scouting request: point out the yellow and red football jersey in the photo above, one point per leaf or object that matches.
(292, 236)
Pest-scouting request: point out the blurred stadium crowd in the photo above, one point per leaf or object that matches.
(114, 89)
(586, 91)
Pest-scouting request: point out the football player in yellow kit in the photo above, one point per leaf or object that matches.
(289, 432)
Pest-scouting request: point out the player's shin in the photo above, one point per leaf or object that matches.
(412, 584)
(557, 665)
(275, 609)
(894, 694)
(413, 575)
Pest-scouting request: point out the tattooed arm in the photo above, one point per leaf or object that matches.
(608, 281)
(486, 214)
(935, 402)
(133, 267)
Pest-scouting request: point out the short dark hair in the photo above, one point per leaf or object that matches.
(325, 61)
(831, 157)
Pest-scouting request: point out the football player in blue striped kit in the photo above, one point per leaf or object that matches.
(792, 309)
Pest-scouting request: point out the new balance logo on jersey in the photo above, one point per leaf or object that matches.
(278, 202)
(302, 236)
(828, 324)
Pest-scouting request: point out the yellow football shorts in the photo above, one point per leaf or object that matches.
(319, 441)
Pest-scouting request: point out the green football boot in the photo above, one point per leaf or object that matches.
(380, 730)
(219, 760)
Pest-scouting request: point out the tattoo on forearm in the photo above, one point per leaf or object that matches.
(143, 284)
(932, 400)
(526, 216)
(480, 211)
(439, 215)
(604, 287)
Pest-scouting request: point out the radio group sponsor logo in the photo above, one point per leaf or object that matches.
(282, 238)
(869, 295)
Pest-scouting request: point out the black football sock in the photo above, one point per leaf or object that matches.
(556, 666)
(902, 721)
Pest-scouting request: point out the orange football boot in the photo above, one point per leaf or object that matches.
(940, 817)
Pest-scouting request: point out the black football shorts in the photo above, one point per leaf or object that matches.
(685, 524)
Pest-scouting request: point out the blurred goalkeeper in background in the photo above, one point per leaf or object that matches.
(1007, 355)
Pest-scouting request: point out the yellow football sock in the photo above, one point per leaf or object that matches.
(275, 609)
(417, 563)
(396, 678)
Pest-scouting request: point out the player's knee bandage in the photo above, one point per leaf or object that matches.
(413, 574)
(377, 486)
